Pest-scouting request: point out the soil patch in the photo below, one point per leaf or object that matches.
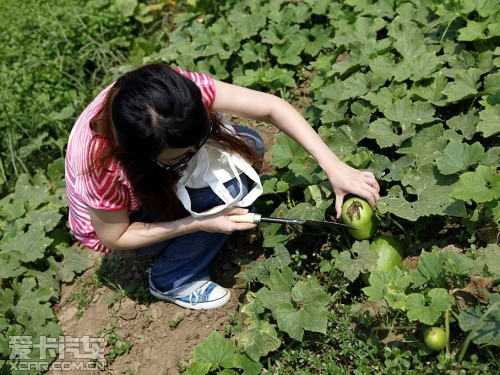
(143, 335)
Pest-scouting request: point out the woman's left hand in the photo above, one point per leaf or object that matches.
(347, 180)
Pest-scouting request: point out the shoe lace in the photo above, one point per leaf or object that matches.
(198, 295)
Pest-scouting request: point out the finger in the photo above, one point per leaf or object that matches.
(339, 201)
(242, 226)
(371, 196)
(370, 179)
(235, 211)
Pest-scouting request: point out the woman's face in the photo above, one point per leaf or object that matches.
(171, 157)
(175, 159)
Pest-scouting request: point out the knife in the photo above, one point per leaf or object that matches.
(256, 219)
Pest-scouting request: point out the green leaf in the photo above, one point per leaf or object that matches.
(31, 308)
(407, 112)
(261, 270)
(417, 67)
(197, 368)
(247, 364)
(306, 211)
(252, 52)
(431, 195)
(425, 146)
(489, 120)
(482, 185)
(430, 268)
(247, 24)
(408, 38)
(287, 151)
(259, 339)
(308, 311)
(278, 77)
(388, 133)
(319, 39)
(464, 123)
(46, 218)
(277, 288)
(473, 31)
(12, 209)
(215, 351)
(354, 86)
(363, 30)
(458, 264)
(365, 260)
(428, 310)
(383, 65)
(389, 286)
(485, 328)
(7, 298)
(459, 157)
(33, 196)
(289, 52)
(466, 84)
(431, 89)
(492, 259)
(10, 265)
(31, 244)
(75, 262)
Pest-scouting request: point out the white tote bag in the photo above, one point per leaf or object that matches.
(212, 166)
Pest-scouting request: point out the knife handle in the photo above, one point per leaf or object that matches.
(245, 218)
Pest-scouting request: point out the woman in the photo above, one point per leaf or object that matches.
(129, 148)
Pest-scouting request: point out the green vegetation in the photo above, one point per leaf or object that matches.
(54, 56)
(407, 89)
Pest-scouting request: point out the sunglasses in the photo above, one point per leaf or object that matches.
(186, 158)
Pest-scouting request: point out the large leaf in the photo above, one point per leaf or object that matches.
(466, 84)
(406, 111)
(430, 269)
(277, 288)
(259, 339)
(428, 310)
(482, 185)
(30, 244)
(489, 120)
(296, 307)
(75, 261)
(31, 308)
(389, 286)
(425, 146)
(431, 193)
(458, 157)
(215, 352)
(306, 312)
(287, 151)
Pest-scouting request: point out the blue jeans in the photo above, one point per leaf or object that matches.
(185, 260)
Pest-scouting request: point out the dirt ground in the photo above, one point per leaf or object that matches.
(161, 335)
(110, 301)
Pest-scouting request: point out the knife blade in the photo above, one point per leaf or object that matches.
(254, 218)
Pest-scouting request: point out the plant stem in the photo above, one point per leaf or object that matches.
(447, 329)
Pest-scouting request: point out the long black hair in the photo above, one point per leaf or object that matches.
(156, 108)
(146, 111)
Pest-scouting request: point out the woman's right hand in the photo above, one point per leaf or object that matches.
(220, 223)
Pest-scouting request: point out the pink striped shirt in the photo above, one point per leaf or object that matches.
(109, 189)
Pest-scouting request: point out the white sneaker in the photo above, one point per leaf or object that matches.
(208, 296)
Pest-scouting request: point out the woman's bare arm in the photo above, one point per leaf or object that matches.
(261, 106)
(116, 232)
